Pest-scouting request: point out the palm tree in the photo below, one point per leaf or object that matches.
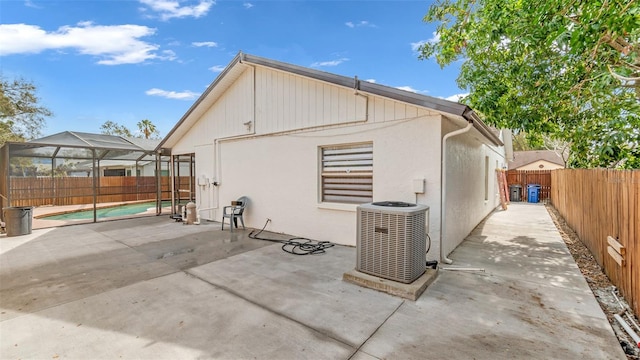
(147, 128)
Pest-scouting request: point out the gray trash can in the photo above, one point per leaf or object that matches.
(18, 220)
(514, 193)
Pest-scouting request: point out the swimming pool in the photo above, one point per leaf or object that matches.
(120, 210)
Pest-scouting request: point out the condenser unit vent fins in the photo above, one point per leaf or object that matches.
(391, 241)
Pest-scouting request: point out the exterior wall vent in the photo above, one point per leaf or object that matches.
(392, 239)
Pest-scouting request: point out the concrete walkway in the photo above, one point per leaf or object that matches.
(151, 288)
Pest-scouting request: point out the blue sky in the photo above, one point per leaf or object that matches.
(124, 61)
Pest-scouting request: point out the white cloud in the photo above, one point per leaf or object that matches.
(217, 68)
(407, 88)
(168, 9)
(371, 80)
(31, 4)
(114, 44)
(247, 5)
(168, 55)
(415, 46)
(184, 95)
(411, 89)
(329, 63)
(457, 97)
(362, 23)
(205, 44)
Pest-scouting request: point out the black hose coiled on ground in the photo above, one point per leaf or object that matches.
(296, 245)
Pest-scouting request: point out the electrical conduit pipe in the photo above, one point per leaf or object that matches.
(443, 187)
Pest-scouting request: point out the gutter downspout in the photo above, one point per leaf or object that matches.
(443, 187)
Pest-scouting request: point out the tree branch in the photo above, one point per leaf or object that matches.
(620, 77)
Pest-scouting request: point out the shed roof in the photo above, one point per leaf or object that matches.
(237, 66)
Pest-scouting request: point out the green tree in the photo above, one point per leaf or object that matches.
(523, 142)
(148, 129)
(568, 69)
(21, 116)
(111, 128)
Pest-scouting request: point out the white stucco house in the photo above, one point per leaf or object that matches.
(308, 146)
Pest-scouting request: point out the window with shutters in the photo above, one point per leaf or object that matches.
(347, 173)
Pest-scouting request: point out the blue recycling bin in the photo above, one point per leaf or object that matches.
(533, 193)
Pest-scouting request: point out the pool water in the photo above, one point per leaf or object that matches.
(121, 210)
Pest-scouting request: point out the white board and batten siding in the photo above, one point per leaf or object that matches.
(224, 118)
(276, 101)
(286, 101)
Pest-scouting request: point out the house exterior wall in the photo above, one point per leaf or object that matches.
(205, 194)
(287, 101)
(465, 203)
(281, 175)
(275, 160)
(541, 165)
(224, 119)
(148, 169)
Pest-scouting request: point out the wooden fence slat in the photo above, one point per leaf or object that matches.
(602, 207)
(619, 248)
(58, 191)
(615, 256)
(526, 177)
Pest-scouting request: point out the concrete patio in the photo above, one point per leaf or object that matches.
(151, 288)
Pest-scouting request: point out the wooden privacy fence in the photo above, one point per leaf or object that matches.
(60, 191)
(526, 177)
(602, 203)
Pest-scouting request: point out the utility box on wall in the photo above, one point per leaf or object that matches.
(391, 240)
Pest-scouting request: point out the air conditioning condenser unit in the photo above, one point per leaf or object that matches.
(392, 240)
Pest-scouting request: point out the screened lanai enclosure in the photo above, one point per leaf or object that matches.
(73, 168)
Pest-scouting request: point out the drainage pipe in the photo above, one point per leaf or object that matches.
(628, 329)
(198, 213)
(443, 186)
(462, 269)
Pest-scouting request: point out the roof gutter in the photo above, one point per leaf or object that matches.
(479, 125)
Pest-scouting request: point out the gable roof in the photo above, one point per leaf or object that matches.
(241, 61)
(522, 158)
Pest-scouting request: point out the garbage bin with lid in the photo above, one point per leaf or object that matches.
(533, 193)
(18, 220)
(514, 193)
